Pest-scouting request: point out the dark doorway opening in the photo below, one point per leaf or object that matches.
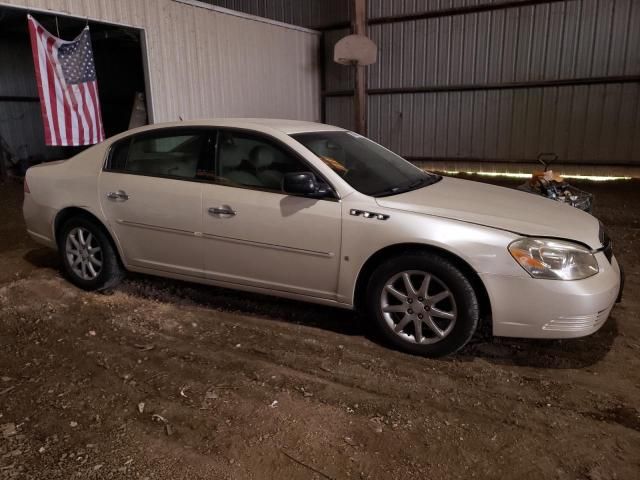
(119, 59)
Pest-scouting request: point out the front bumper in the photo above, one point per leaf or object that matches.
(534, 308)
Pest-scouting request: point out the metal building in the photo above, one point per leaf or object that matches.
(317, 14)
(464, 84)
(199, 61)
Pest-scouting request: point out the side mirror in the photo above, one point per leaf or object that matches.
(300, 183)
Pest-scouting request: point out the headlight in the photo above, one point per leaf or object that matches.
(554, 259)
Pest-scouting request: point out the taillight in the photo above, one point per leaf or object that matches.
(26, 186)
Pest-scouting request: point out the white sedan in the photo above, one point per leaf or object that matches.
(317, 213)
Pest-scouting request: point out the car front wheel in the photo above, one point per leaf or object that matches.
(88, 256)
(423, 304)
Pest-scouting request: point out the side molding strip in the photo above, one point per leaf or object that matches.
(226, 239)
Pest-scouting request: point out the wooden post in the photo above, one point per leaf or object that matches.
(360, 95)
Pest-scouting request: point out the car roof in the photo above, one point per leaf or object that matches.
(285, 126)
(288, 127)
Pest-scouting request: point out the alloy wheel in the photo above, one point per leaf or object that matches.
(418, 307)
(83, 253)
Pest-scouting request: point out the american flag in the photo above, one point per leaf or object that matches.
(68, 88)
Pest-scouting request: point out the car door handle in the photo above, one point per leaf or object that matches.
(222, 211)
(118, 195)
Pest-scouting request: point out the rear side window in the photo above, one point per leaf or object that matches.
(119, 152)
(166, 154)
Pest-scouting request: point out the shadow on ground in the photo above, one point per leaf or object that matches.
(558, 354)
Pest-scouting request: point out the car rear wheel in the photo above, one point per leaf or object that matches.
(423, 304)
(88, 256)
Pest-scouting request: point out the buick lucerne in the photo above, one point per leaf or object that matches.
(318, 213)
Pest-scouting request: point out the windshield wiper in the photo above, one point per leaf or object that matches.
(421, 182)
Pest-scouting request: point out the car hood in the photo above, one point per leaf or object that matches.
(499, 207)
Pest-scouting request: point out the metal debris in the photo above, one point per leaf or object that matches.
(159, 418)
(167, 426)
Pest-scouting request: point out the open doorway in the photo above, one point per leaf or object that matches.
(120, 67)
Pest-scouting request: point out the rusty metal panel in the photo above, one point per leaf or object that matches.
(205, 62)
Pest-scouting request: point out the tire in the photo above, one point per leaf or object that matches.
(98, 266)
(434, 324)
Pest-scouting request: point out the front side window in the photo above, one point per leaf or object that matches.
(366, 166)
(170, 154)
(251, 161)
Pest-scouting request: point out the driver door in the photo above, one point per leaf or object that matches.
(258, 236)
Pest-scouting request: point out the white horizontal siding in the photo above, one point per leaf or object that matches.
(206, 63)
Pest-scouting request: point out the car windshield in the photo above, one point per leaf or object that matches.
(366, 166)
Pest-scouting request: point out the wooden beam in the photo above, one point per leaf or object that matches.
(360, 99)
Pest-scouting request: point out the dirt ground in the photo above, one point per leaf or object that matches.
(169, 380)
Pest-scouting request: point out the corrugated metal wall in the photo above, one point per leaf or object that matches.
(488, 80)
(578, 41)
(502, 84)
(307, 13)
(206, 63)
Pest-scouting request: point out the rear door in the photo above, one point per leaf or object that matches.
(257, 235)
(151, 193)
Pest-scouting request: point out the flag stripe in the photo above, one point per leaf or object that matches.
(59, 103)
(93, 90)
(83, 125)
(44, 82)
(52, 103)
(88, 113)
(76, 109)
(35, 49)
(66, 105)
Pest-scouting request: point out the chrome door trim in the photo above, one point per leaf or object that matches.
(269, 246)
(226, 239)
(157, 228)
